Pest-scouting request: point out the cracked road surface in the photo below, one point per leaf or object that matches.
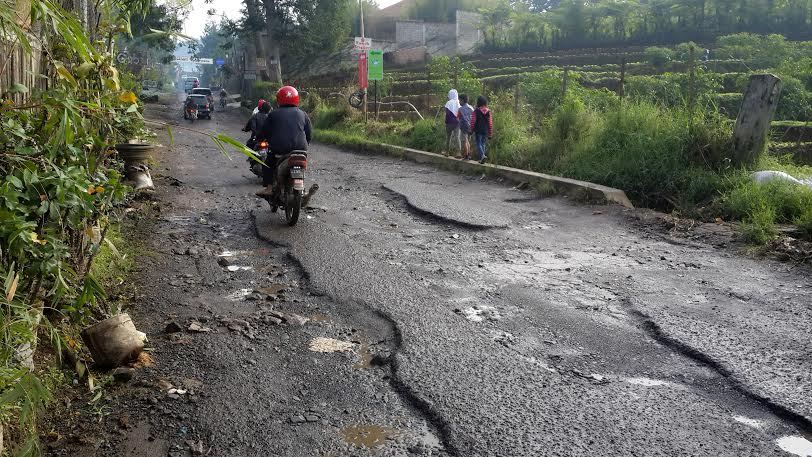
(418, 312)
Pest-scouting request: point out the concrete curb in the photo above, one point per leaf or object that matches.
(540, 181)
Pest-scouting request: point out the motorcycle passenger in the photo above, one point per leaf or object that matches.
(287, 129)
(256, 122)
(259, 105)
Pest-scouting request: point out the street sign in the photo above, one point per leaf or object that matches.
(363, 44)
(249, 76)
(220, 62)
(375, 64)
(363, 81)
(190, 59)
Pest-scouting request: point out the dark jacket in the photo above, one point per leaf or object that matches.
(286, 129)
(255, 123)
(482, 121)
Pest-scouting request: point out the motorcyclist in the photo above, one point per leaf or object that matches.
(287, 129)
(255, 123)
(223, 95)
(190, 105)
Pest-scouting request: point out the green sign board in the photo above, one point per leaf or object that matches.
(375, 65)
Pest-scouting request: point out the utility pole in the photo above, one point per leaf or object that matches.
(361, 9)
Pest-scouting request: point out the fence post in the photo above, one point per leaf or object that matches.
(756, 113)
(621, 90)
(565, 83)
(428, 89)
(692, 78)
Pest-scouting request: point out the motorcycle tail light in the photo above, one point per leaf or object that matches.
(263, 145)
(298, 162)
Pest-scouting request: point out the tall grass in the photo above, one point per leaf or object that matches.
(659, 156)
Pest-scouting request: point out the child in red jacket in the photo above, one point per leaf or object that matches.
(482, 127)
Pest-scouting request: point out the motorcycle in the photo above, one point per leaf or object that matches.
(222, 103)
(289, 193)
(261, 150)
(191, 114)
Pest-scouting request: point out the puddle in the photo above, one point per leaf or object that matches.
(368, 436)
(647, 382)
(232, 253)
(321, 318)
(364, 357)
(749, 422)
(480, 313)
(233, 268)
(239, 295)
(796, 445)
(321, 344)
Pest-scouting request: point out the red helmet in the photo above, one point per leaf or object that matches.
(287, 96)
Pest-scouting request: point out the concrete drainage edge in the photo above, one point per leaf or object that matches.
(540, 181)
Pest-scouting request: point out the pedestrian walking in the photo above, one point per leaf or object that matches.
(466, 111)
(452, 121)
(482, 125)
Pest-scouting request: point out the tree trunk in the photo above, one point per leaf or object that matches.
(254, 17)
(273, 29)
(755, 115)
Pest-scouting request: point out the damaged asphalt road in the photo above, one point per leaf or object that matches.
(417, 312)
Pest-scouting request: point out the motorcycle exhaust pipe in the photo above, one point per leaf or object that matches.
(306, 200)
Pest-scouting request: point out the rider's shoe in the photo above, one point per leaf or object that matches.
(265, 192)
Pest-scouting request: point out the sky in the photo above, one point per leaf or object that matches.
(230, 8)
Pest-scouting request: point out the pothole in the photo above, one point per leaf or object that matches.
(327, 345)
(480, 313)
(239, 295)
(647, 382)
(368, 436)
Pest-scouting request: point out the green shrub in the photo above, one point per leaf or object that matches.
(265, 90)
(798, 68)
(311, 102)
(674, 89)
(543, 90)
(760, 51)
(795, 102)
(776, 201)
(658, 57)
(427, 135)
(734, 82)
(451, 73)
(728, 104)
(685, 51)
(759, 225)
(327, 117)
(804, 223)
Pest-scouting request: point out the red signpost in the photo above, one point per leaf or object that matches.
(363, 76)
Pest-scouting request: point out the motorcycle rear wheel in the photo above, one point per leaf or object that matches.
(293, 208)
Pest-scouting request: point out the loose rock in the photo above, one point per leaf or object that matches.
(123, 374)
